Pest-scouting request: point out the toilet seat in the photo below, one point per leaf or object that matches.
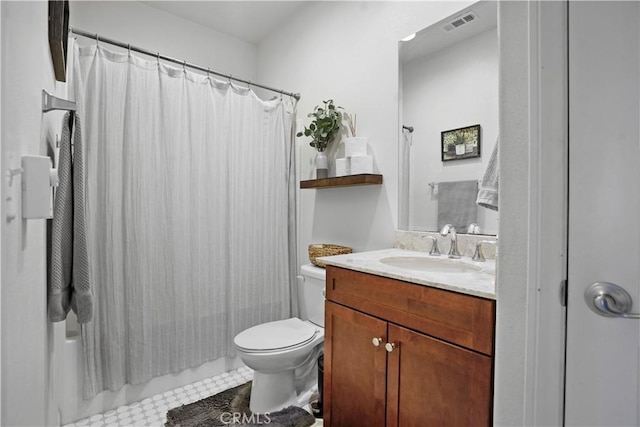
(276, 336)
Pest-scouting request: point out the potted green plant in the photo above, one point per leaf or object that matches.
(323, 129)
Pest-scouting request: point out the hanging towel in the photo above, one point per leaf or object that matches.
(69, 284)
(457, 204)
(488, 193)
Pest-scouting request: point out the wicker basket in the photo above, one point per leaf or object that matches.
(320, 250)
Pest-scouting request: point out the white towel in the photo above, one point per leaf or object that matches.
(488, 193)
(69, 284)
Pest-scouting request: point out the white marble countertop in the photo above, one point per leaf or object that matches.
(478, 281)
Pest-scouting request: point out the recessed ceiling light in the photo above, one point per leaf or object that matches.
(409, 37)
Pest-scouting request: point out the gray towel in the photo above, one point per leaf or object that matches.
(69, 284)
(488, 194)
(457, 204)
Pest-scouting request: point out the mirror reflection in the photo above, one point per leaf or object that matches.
(449, 117)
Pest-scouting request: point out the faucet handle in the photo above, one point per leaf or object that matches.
(434, 246)
(446, 229)
(478, 255)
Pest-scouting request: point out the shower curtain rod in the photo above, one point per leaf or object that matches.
(99, 39)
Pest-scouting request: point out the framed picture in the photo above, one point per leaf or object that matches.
(58, 35)
(461, 143)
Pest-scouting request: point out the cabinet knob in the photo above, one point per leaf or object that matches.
(376, 341)
(389, 346)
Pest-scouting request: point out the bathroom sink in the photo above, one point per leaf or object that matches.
(433, 265)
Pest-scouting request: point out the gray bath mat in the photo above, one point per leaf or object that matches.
(231, 408)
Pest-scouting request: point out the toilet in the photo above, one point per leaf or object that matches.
(275, 349)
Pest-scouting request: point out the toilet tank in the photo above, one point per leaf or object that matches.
(311, 293)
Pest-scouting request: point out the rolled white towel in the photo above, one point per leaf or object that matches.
(361, 164)
(342, 167)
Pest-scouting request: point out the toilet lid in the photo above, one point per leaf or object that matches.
(276, 335)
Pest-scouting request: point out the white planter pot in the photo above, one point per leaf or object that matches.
(460, 149)
(322, 166)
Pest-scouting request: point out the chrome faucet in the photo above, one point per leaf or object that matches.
(478, 255)
(451, 230)
(434, 246)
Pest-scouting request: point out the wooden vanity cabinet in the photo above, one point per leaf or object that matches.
(433, 362)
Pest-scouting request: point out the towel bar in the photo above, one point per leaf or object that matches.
(435, 184)
(51, 102)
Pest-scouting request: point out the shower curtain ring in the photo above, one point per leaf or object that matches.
(129, 49)
(184, 65)
(97, 40)
(208, 73)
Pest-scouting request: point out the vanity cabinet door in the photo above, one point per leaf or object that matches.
(434, 383)
(355, 369)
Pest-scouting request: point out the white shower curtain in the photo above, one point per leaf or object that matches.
(404, 198)
(188, 213)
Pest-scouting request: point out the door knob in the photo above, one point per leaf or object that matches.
(389, 346)
(376, 341)
(609, 300)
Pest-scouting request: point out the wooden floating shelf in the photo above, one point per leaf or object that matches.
(343, 181)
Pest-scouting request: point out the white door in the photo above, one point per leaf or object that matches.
(602, 385)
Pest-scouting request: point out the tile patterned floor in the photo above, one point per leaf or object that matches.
(152, 411)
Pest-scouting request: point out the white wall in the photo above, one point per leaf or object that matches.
(150, 28)
(511, 329)
(530, 319)
(348, 51)
(530, 327)
(2, 211)
(451, 88)
(26, 346)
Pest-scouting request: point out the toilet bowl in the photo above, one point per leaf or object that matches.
(275, 349)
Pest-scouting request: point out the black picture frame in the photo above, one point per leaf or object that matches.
(450, 141)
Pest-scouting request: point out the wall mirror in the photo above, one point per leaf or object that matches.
(448, 81)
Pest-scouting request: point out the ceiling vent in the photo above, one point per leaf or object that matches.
(459, 21)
